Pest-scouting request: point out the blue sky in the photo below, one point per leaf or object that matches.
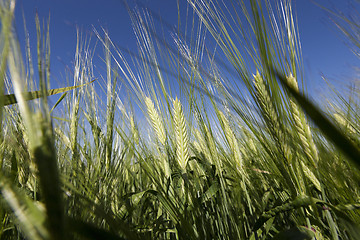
(323, 47)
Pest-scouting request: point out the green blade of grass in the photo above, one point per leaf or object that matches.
(11, 99)
(58, 101)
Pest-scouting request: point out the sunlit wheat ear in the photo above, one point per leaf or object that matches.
(302, 127)
(249, 140)
(134, 130)
(344, 123)
(270, 116)
(233, 143)
(210, 145)
(201, 145)
(182, 140)
(156, 122)
(311, 176)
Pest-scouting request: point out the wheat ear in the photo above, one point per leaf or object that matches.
(233, 143)
(156, 122)
(302, 127)
(182, 140)
(271, 118)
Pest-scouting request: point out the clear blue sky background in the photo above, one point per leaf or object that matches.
(323, 47)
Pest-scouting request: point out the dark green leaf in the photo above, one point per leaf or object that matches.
(295, 233)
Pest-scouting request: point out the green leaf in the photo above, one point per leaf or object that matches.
(11, 99)
(58, 101)
(295, 233)
(300, 201)
(213, 189)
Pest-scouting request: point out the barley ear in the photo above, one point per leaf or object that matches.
(156, 122)
(182, 140)
(271, 117)
(134, 130)
(302, 127)
(232, 141)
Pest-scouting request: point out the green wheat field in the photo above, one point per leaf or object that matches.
(179, 141)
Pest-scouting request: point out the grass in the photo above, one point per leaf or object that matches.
(232, 147)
